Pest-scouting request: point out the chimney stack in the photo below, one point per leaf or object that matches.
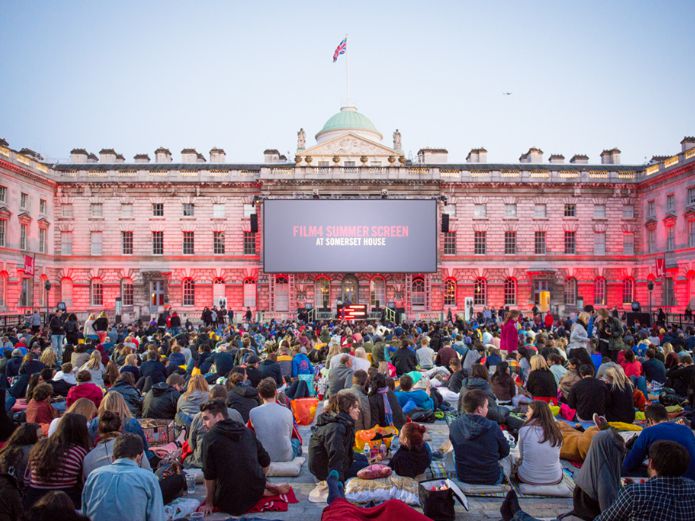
(556, 159)
(217, 155)
(477, 155)
(78, 155)
(162, 155)
(579, 159)
(610, 157)
(433, 155)
(107, 155)
(534, 155)
(141, 158)
(92, 158)
(189, 155)
(120, 158)
(687, 143)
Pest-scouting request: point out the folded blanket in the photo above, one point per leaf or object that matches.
(279, 503)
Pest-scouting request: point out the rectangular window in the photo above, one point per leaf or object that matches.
(669, 297)
(188, 243)
(3, 231)
(570, 242)
(691, 196)
(510, 243)
(450, 243)
(480, 243)
(96, 210)
(97, 294)
(66, 210)
(24, 201)
(570, 210)
(3, 194)
(599, 243)
(95, 241)
(249, 243)
(670, 238)
(188, 293)
(510, 210)
(157, 243)
(157, 209)
(26, 297)
(651, 209)
(540, 211)
(218, 211)
(42, 206)
(691, 234)
(42, 240)
(671, 203)
(127, 293)
(628, 244)
(599, 211)
(188, 210)
(539, 243)
(66, 243)
(651, 241)
(218, 243)
(126, 210)
(127, 243)
(480, 211)
(23, 234)
(628, 211)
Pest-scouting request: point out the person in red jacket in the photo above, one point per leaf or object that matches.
(509, 339)
(84, 389)
(548, 321)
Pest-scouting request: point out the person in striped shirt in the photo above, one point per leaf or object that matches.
(55, 463)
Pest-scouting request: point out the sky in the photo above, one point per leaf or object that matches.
(245, 76)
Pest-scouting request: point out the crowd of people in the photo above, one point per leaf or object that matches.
(81, 398)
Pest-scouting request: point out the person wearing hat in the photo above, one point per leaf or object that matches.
(253, 373)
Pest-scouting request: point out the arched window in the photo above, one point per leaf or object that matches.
(377, 292)
(509, 291)
(218, 292)
(322, 293)
(127, 292)
(249, 293)
(571, 292)
(600, 291)
(450, 292)
(96, 292)
(417, 298)
(628, 290)
(480, 292)
(188, 292)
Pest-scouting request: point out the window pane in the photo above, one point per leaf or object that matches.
(218, 243)
(127, 243)
(480, 243)
(539, 243)
(450, 243)
(249, 243)
(188, 243)
(96, 245)
(509, 243)
(157, 243)
(570, 243)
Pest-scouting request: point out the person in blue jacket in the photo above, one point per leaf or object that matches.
(420, 399)
(659, 429)
(301, 364)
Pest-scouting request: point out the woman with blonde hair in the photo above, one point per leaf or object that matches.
(189, 402)
(578, 335)
(48, 358)
(114, 402)
(620, 402)
(95, 368)
(88, 330)
(541, 382)
(667, 348)
(83, 406)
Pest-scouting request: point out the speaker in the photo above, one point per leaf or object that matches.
(636, 306)
(644, 319)
(254, 223)
(445, 222)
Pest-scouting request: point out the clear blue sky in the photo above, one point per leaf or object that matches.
(244, 76)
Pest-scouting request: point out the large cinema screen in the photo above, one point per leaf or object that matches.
(349, 235)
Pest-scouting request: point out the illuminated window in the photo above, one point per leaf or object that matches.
(188, 243)
(480, 292)
(539, 285)
(188, 292)
(418, 293)
(449, 243)
(188, 210)
(539, 243)
(96, 293)
(250, 293)
(218, 243)
(571, 292)
(127, 243)
(628, 290)
(600, 291)
(480, 243)
(450, 293)
(570, 210)
(570, 242)
(509, 243)
(127, 292)
(509, 292)
(157, 209)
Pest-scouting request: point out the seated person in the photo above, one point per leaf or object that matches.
(659, 429)
(589, 395)
(273, 424)
(478, 442)
(414, 456)
(539, 445)
(420, 399)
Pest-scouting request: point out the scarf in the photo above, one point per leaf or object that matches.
(388, 412)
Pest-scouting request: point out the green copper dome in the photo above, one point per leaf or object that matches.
(349, 119)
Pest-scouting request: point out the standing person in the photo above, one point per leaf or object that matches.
(55, 463)
(123, 490)
(579, 338)
(35, 321)
(273, 424)
(72, 330)
(509, 338)
(248, 315)
(234, 464)
(539, 444)
(57, 328)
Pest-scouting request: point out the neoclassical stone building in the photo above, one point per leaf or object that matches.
(156, 231)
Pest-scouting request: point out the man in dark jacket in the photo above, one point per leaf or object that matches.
(234, 463)
(478, 442)
(404, 360)
(160, 401)
(153, 368)
(253, 373)
(271, 369)
(589, 395)
(330, 447)
(340, 375)
(133, 398)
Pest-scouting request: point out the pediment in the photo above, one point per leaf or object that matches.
(350, 144)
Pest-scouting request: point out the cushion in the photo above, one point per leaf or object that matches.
(288, 469)
(374, 472)
(181, 507)
(382, 489)
(559, 490)
(476, 490)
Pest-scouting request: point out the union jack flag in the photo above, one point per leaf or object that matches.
(342, 47)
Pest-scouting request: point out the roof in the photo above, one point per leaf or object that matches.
(435, 150)
(78, 151)
(162, 149)
(579, 156)
(556, 156)
(348, 119)
(107, 151)
(271, 151)
(141, 156)
(217, 150)
(31, 153)
(189, 151)
(611, 151)
(686, 139)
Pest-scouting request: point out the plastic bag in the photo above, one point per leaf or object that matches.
(304, 410)
(376, 433)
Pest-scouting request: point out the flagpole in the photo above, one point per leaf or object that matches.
(347, 75)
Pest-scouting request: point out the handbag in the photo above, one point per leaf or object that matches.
(437, 499)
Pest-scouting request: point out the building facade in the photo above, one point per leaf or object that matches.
(144, 234)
